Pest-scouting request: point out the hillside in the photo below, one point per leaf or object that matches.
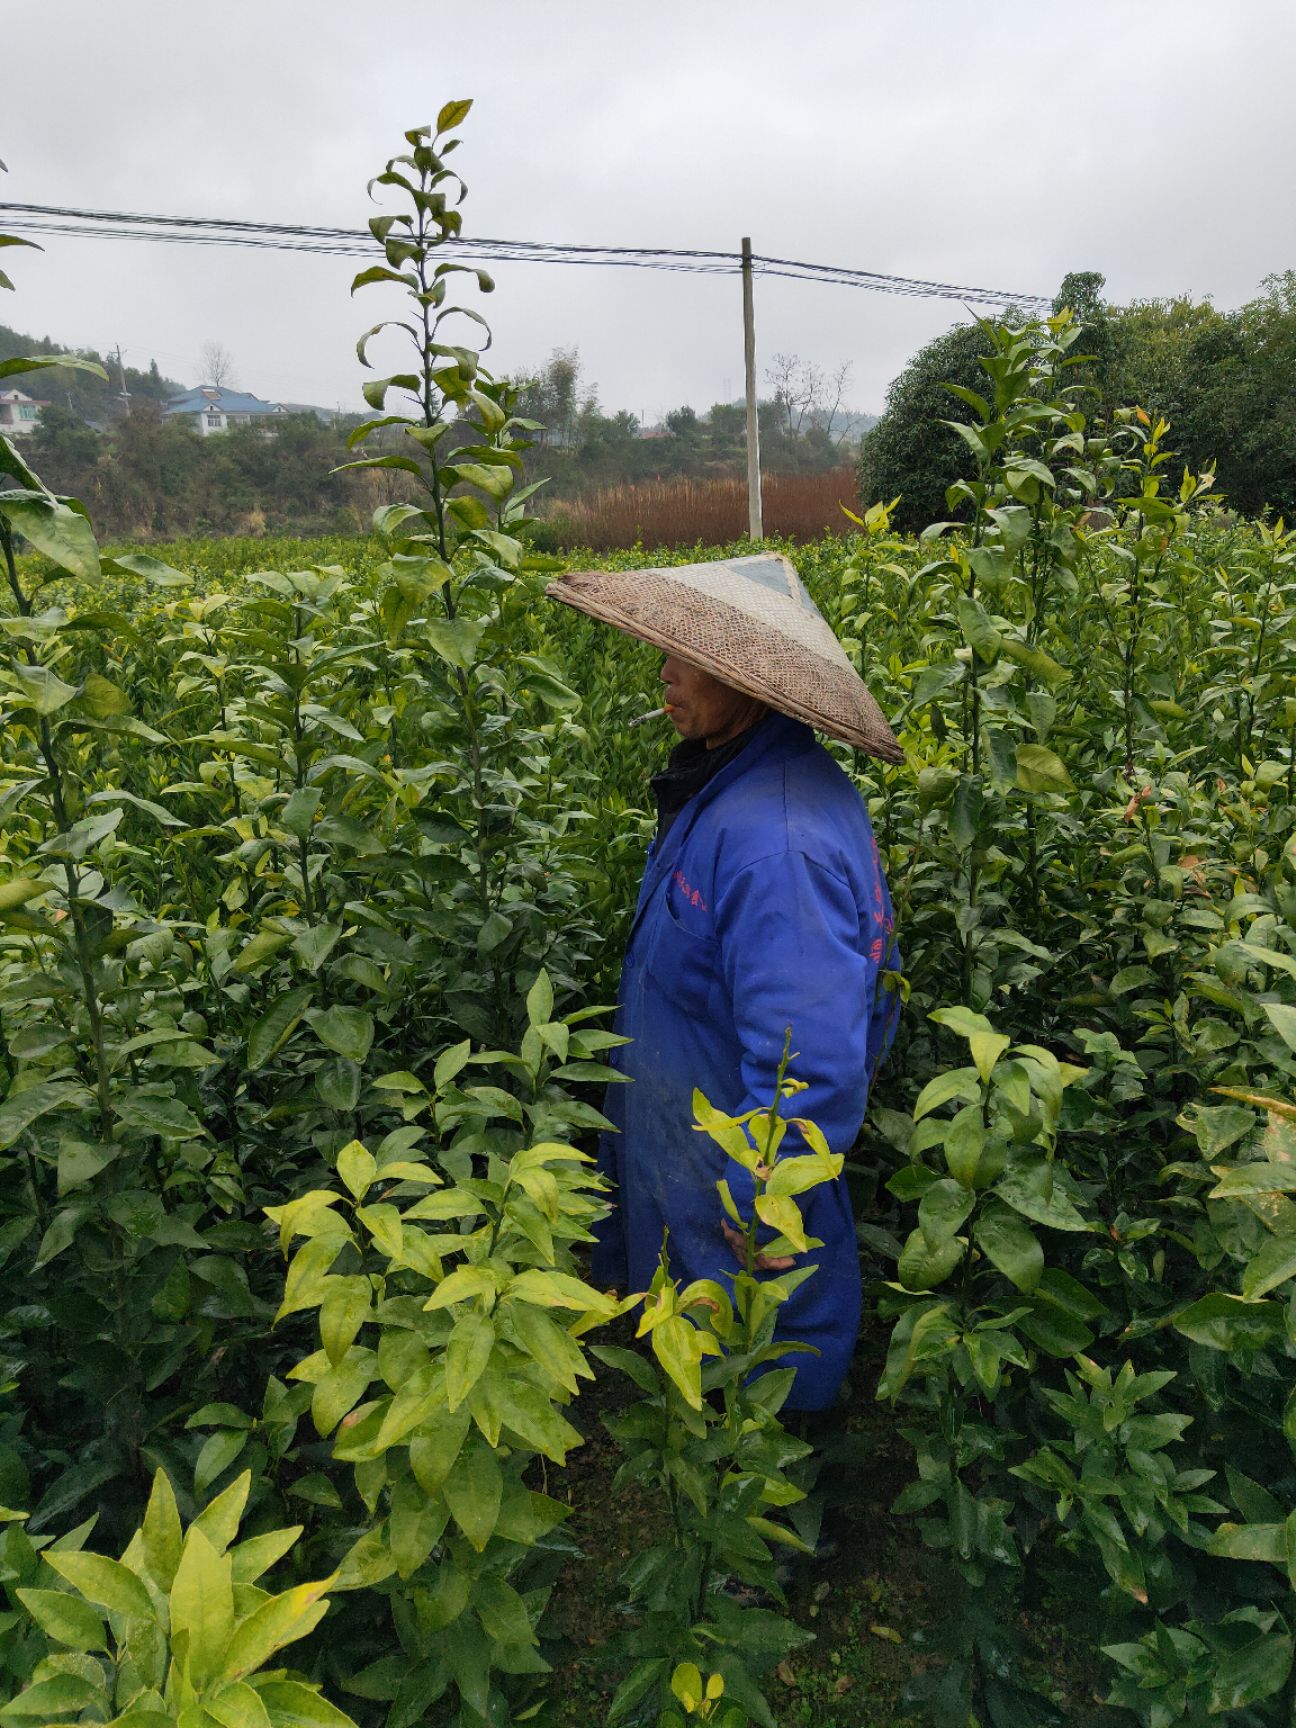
(86, 396)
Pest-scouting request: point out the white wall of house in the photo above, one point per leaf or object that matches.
(19, 414)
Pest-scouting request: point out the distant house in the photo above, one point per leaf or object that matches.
(211, 408)
(19, 414)
(325, 416)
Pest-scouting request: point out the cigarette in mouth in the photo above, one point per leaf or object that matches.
(653, 714)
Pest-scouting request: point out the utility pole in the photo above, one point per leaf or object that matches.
(121, 373)
(754, 525)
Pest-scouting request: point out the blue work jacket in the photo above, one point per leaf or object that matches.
(763, 907)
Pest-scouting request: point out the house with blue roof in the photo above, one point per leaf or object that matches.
(212, 408)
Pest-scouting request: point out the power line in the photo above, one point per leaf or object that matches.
(347, 242)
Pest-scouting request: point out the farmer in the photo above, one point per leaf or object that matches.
(763, 907)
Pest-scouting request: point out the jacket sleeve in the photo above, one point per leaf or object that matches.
(798, 952)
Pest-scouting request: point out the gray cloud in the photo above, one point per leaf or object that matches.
(999, 143)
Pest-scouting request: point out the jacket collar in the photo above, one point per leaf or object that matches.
(774, 734)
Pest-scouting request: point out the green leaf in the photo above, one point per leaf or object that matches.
(41, 688)
(473, 1491)
(338, 1391)
(40, 362)
(941, 1211)
(502, 1611)
(151, 569)
(160, 1534)
(53, 1701)
(21, 1109)
(1257, 1178)
(1035, 1190)
(342, 1314)
(456, 640)
(259, 1553)
(540, 1000)
(272, 1031)
(263, 946)
(637, 1685)
(219, 1521)
(61, 1232)
(530, 1413)
(299, 1704)
(453, 114)
(1244, 1676)
(1040, 769)
(63, 535)
(922, 1267)
(218, 1452)
(1229, 1323)
(314, 945)
(1250, 1542)
(100, 698)
(495, 928)
(150, 1110)
(496, 481)
(298, 813)
(202, 1604)
(962, 1083)
(978, 632)
(678, 1347)
(964, 1143)
(357, 1167)
(105, 1582)
(271, 1625)
(65, 1618)
(348, 1031)
(19, 890)
(922, 1331)
(468, 1350)
(435, 1447)
(1272, 1266)
(552, 1346)
(1284, 1020)
(451, 1062)
(1039, 664)
(1011, 1246)
(965, 814)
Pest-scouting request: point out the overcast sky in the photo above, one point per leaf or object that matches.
(991, 142)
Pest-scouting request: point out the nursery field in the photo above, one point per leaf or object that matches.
(316, 860)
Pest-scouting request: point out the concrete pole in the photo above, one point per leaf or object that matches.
(754, 524)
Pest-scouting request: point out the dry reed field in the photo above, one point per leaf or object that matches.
(683, 512)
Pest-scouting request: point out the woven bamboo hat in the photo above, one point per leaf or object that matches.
(749, 622)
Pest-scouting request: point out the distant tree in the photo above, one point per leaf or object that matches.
(66, 452)
(553, 395)
(828, 413)
(1241, 415)
(1155, 351)
(797, 385)
(911, 451)
(216, 365)
(683, 423)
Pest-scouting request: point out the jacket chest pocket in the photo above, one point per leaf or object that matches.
(684, 964)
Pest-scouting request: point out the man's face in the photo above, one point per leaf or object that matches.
(700, 706)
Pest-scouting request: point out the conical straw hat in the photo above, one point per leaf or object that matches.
(749, 622)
